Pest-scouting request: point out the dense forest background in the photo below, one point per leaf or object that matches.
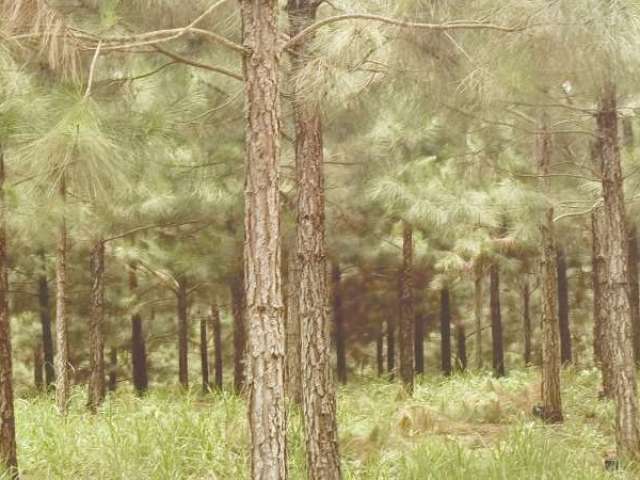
(217, 207)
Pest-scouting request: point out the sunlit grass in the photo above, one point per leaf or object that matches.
(466, 427)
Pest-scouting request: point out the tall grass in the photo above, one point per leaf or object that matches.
(466, 427)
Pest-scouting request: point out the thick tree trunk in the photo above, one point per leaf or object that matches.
(549, 275)
(45, 321)
(8, 457)
(138, 347)
(62, 336)
(445, 331)
(419, 340)
(406, 328)
(526, 321)
(496, 322)
(238, 312)
(96, 341)
(293, 333)
(204, 355)
(338, 324)
(563, 308)
(617, 286)
(263, 284)
(391, 348)
(634, 290)
(461, 346)
(183, 335)
(601, 327)
(477, 313)
(113, 369)
(216, 330)
(38, 378)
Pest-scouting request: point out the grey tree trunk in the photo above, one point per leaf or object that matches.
(97, 387)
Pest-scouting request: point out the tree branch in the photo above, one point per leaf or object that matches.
(193, 63)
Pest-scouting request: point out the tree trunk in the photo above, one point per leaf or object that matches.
(217, 344)
(338, 323)
(263, 284)
(238, 312)
(96, 356)
(391, 348)
(45, 321)
(477, 313)
(617, 276)
(461, 346)
(634, 290)
(113, 369)
(8, 457)
(419, 340)
(445, 331)
(293, 333)
(496, 323)
(138, 347)
(563, 308)
(380, 352)
(526, 320)
(38, 378)
(601, 327)
(204, 355)
(406, 328)
(550, 274)
(62, 338)
(183, 335)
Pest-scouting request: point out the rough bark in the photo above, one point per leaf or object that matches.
(419, 343)
(238, 312)
(617, 285)
(263, 284)
(549, 274)
(526, 321)
(204, 355)
(97, 388)
(477, 313)
(45, 322)
(496, 322)
(216, 330)
(62, 340)
(183, 335)
(8, 456)
(445, 331)
(338, 324)
(138, 347)
(406, 326)
(113, 369)
(566, 354)
(293, 333)
(634, 290)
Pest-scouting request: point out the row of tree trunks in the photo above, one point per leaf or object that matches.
(45, 322)
(8, 456)
(406, 330)
(62, 340)
(97, 388)
(496, 322)
(616, 294)
(549, 275)
(263, 283)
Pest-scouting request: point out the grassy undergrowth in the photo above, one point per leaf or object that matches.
(467, 427)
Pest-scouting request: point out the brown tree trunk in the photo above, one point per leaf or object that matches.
(45, 321)
(634, 290)
(477, 313)
(461, 346)
(96, 348)
(617, 276)
(549, 273)
(263, 284)
(338, 324)
(406, 326)
(204, 355)
(62, 336)
(216, 330)
(445, 331)
(38, 378)
(138, 347)
(496, 322)
(380, 351)
(113, 369)
(526, 321)
(183, 335)
(419, 339)
(391, 348)
(238, 312)
(563, 308)
(293, 333)
(8, 457)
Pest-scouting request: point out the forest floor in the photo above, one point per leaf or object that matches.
(466, 427)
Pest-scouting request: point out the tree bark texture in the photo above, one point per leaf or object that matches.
(293, 333)
(566, 354)
(97, 388)
(634, 290)
(62, 335)
(238, 313)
